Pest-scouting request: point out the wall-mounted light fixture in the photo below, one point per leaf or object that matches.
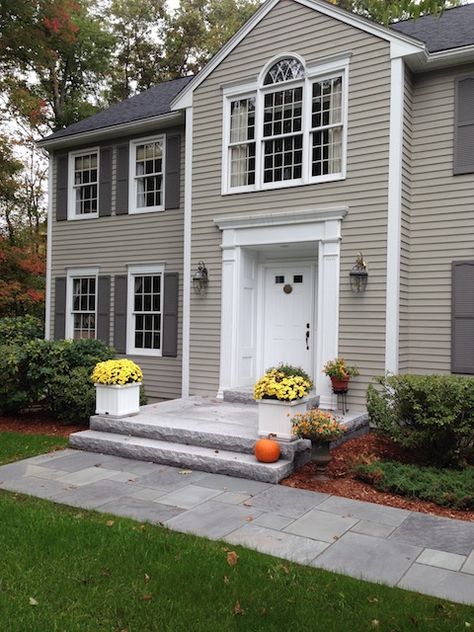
(358, 276)
(200, 278)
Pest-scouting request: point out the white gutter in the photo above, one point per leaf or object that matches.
(49, 245)
(188, 176)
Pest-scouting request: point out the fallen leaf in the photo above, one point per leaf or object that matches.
(110, 523)
(374, 623)
(226, 579)
(249, 518)
(372, 599)
(105, 572)
(263, 611)
(238, 609)
(147, 597)
(185, 471)
(232, 558)
(467, 624)
(247, 504)
(33, 602)
(147, 578)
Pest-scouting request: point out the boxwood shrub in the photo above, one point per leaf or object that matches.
(20, 329)
(432, 415)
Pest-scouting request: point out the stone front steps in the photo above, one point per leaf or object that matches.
(195, 457)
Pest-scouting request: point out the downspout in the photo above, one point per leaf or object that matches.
(188, 166)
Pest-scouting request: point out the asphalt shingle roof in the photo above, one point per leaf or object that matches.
(149, 103)
(453, 28)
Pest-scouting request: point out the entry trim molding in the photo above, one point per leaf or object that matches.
(285, 218)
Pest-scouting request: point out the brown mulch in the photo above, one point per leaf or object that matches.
(35, 423)
(342, 482)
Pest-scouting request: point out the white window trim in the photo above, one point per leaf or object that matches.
(134, 270)
(71, 200)
(132, 188)
(77, 273)
(316, 72)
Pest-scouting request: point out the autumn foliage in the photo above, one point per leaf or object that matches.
(22, 270)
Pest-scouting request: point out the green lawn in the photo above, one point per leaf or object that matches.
(75, 571)
(17, 445)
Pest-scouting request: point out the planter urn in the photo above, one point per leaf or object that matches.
(274, 417)
(117, 400)
(340, 385)
(320, 454)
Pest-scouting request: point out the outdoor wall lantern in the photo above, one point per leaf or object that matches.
(358, 276)
(200, 278)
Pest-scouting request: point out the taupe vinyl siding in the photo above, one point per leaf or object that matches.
(291, 27)
(442, 220)
(404, 340)
(112, 243)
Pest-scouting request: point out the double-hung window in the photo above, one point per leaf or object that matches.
(289, 129)
(83, 184)
(145, 301)
(147, 162)
(82, 304)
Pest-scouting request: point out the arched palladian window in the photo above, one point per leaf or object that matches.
(288, 129)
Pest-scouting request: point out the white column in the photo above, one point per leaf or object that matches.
(49, 251)
(187, 252)
(328, 317)
(229, 317)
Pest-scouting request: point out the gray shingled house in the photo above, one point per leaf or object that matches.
(313, 135)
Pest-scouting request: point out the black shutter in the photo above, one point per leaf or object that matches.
(103, 309)
(105, 181)
(463, 159)
(462, 337)
(123, 157)
(172, 171)
(169, 345)
(60, 308)
(120, 314)
(61, 186)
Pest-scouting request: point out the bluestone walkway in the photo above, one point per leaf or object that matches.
(415, 551)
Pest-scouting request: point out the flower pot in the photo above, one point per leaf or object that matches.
(274, 417)
(340, 385)
(320, 454)
(117, 400)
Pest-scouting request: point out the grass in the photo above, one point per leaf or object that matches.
(445, 487)
(65, 569)
(16, 445)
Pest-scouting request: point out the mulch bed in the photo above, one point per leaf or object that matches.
(342, 482)
(35, 423)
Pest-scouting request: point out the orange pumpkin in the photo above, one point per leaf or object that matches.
(267, 450)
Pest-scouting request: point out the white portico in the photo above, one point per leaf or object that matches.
(280, 294)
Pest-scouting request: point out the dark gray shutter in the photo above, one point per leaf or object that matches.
(463, 160)
(60, 308)
(103, 309)
(123, 158)
(172, 170)
(61, 186)
(169, 345)
(105, 181)
(462, 338)
(120, 314)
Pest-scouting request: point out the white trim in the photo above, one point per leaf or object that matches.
(392, 320)
(132, 180)
(184, 98)
(282, 218)
(133, 270)
(71, 201)
(78, 273)
(188, 192)
(49, 251)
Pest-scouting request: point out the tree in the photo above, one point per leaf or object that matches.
(387, 11)
(53, 55)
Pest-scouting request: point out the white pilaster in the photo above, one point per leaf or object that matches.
(49, 251)
(188, 161)
(229, 318)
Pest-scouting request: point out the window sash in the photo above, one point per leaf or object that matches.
(147, 168)
(83, 309)
(147, 318)
(85, 180)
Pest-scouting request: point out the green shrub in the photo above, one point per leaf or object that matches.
(20, 329)
(52, 374)
(432, 415)
(445, 487)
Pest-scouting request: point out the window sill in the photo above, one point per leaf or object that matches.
(74, 218)
(154, 353)
(284, 185)
(151, 209)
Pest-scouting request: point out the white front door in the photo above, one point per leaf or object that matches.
(288, 316)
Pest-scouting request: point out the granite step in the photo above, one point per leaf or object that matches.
(179, 455)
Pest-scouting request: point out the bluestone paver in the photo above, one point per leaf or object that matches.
(441, 559)
(440, 583)
(285, 545)
(287, 501)
(366, 557)
(416, 551)
(433, 532)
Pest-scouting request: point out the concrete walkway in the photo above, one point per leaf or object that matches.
(416, 551)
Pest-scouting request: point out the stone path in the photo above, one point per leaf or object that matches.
(415, 551)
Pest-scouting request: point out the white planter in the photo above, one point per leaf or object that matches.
(274, 417)
(117, 400)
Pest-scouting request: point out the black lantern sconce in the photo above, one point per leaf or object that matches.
(358, 276)
(200, 278)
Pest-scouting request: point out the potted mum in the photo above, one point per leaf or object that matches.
(320, 427)
(280, 393)
(340, 374)
(117, 386)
